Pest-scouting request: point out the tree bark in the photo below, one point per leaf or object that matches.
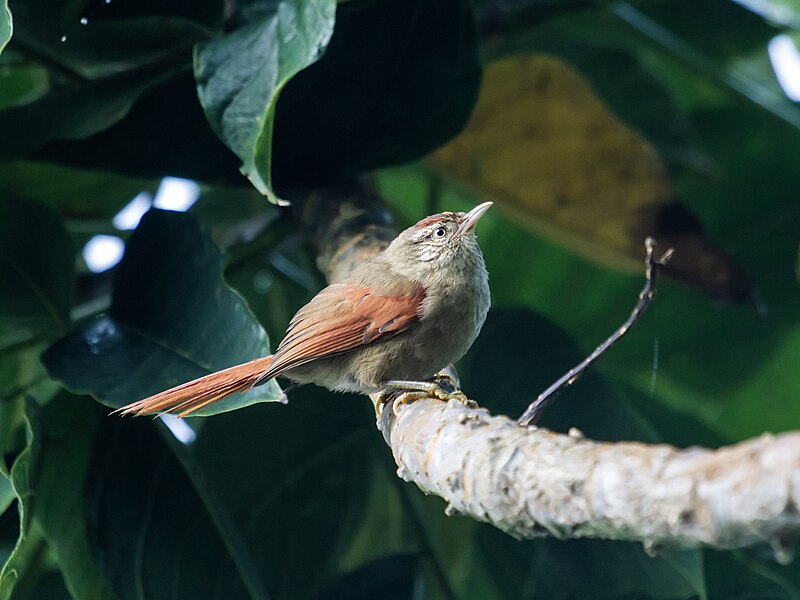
(531, 482)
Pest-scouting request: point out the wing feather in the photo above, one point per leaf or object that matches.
(343, 317)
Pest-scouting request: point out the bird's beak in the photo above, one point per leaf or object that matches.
(471, 218)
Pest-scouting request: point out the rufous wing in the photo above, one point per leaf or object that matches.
(343, 317)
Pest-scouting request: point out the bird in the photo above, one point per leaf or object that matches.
(393, 323)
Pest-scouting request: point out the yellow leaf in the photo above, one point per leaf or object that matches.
(544, 146)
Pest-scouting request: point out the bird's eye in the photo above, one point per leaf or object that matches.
(439, 232)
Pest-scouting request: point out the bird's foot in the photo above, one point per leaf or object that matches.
(443, 386)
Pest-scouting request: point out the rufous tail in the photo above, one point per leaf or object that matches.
(187, 398)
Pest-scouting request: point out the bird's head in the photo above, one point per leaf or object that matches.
(440, 245)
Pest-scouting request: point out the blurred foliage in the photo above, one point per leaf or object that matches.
(100, 100)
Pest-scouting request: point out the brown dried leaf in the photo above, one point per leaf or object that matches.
(544, 146)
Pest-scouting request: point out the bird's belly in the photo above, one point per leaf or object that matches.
(414, 357)
(433, 343)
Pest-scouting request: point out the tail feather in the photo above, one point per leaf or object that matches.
(190, 397)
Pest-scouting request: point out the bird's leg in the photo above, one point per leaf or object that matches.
(442, 386)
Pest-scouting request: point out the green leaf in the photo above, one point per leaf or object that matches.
(291, 478)
(587, 569)
(68, 425)
(240, 76)
(84, 41)
(7, 495)
(21, 84)
(36, 268)
(781, 12)
(102, 62)
(695, 48)
(48, 482)
(76, 112)
(592, 404)
(72, 192)
(29, 541)
(172, 319)
(145, 144)
(391, 577)
(6, 24)
(750, 574)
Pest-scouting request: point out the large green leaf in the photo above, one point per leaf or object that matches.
(372, 116)
(587, 569)
(7, 495)
(165, 133)
(748, 574)
(291, 479)
(704, 52)
(72, 192)
(101, 61)
(391, 577)
(48, 482)
(84, 41)
(36, 268)
(172, 319)
(67, 429)
(240, 76)
(76, 112)
(29, 543)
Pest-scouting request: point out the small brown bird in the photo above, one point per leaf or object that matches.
(395, 321)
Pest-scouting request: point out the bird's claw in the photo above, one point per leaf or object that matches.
(443, 386)
(448, 388)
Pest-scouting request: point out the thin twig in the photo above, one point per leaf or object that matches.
(534, 412)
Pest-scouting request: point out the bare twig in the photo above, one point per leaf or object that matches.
(535, 410)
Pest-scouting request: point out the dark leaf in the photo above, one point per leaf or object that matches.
(391, 577)
(587, 569)
(90, 40)
(535, 354)
(781, 12)
(165, 133)
(66, 429)
(292, 479)
(23, 558)
(397, 81)
(172, 319)
(36, 268)
(745, 574)
(73, 193)
(76, 112)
